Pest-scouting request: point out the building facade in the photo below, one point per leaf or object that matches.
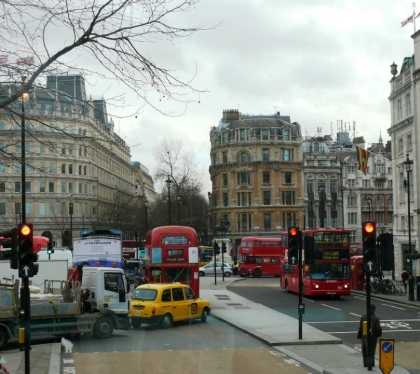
(256, 174)
(77, 169)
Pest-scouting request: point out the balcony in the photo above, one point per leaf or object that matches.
(379, 175)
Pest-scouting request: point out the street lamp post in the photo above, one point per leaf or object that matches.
(408, 165)
(71, 224)
(23, 99)
(83, 221)
(369, 202)
(178, 200)
(146, 207)
(321, 206)
(168, 182)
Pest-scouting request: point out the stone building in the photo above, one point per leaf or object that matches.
(256, 174)
(77, 169)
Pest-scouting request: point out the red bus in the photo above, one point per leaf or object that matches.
(172, 252)
(259, 256)
(40, 242)
(129, 249)
(330, 274)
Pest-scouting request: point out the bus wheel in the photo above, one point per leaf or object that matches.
(337, 297)
(256, 273)
(166, 322)
(286, 286)
(135, 323)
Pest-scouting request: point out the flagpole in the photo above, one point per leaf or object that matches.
(414, 17)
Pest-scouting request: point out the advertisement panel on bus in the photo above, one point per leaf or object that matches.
(98, 252)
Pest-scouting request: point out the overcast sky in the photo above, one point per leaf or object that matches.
(316, 61)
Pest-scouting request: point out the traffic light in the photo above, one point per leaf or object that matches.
(369, 245)
(27, 257)
(50, 248)
(224, 247)
(293, 245)
(309, 245)
(10, 241)
(216, 248)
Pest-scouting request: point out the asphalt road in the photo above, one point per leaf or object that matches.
(337, 317)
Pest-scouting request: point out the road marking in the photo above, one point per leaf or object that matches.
(357, 315)
(355, 332)
(330, 307)
(395, 307)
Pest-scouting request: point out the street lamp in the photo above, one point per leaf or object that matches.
(369, 202)
(83, 221)
(168, 182)
(178, 200)
(146, 207)
(321, 192)
(71, 224)
(23, 99)
(408, 165)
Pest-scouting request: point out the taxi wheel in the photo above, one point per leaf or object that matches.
(201, 273)
(135, 323)
(204, 315)
(166, 322)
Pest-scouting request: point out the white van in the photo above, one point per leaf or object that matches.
(59, 254)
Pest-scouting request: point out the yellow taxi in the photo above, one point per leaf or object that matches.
(164, 303)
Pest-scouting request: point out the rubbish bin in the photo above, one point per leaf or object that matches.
(418, 288)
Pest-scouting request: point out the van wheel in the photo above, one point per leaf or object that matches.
(4, 337)
(166, 322)
(204, 315)
(135, 323)
(103, 328)
(256, 273)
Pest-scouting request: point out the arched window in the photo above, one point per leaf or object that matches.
(244, 157)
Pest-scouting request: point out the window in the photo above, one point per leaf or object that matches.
(288, 197)
(351, 201)
(242, 134)
(63, 187)
(224, 137)
(225, 199)
(2, 186)
(352, 218)
(350, 169)
(224, 179)
(42, 148)
(287, 155)
(17, 148)
(288, 177)
(27, 186)
(18, 208)
(224, 157)
(351, 183)
(80, 151)
(50, 186)
(80, 169)
(63, 150)
(2, 168)
(51, 209)
(333, 186)
(266, 197)
(17, 167)
(267, 221)
(266, 177)
(85, 188)
(400, 114)
(71, 169)
(17, 186)
(85, 170)
(244, 221)
(310, 187)
(50, 149)
(2, 209)
(42, 209)
(243, 157)
(63, 208)
(71, 188)
(266, 154)
(63, 168)
(244, 199)
(400, 146)
(366, 183)
(264, 134)
(42, 167)
(41, 186)
(286, 135)
(28, 208)
(409, 143)
(51, 168)
(71, 151)
(80, 188)
(408, 102)
(244, 178)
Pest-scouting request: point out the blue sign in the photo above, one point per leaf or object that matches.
(25, 271)
(370, 266)
(387, 347)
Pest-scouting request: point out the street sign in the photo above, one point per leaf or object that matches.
(25, 271)
(386, 355)
(370, 266)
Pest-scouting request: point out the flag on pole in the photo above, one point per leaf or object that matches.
(408, 20)
(362, 158)
(4, 58)
(25, 61)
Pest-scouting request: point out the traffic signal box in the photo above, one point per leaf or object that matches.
(27, 257)
(369, 245)
(293, 245)
(224, 247)
(50, 248)
(216, 248)
(11, 242)
(309, 245)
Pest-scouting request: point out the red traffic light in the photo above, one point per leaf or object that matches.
(293, 231)
(369, 228)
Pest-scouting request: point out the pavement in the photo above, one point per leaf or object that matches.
(318, 350)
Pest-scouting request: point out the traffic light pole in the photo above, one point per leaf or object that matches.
(223, 261)
(300, 267)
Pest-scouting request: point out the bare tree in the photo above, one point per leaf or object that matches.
(49, 37)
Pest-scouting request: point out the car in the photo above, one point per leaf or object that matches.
(209, 269)
(164, 303)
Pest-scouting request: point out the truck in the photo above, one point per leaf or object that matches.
(95, 301)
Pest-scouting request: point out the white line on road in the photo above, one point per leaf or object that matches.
(330, 307)
(395, 307)
(355, 332)
(354, 314)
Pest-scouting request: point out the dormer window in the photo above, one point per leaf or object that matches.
(286, 134)
(264, 134)
(316, 147)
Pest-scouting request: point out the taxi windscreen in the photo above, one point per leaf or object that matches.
(146, 294)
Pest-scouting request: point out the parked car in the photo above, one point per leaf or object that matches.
(209, 269)
(164, 303)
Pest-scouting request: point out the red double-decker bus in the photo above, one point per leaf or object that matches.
(173, 256)
(330, 273)
(259, 256)
(129, 248)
